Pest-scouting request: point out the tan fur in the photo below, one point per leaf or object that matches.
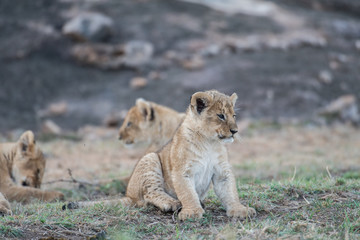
(180, 174)
(4, 206)
(22, 167)
(151, 124)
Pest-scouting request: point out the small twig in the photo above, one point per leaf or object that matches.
(150, 224)
(59, 180)
(328, 171)
(296, 208)
(176, 211)
(306, 200)
(62, 235)
(72, 180)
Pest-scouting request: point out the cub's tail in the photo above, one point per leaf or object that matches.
(125, 202)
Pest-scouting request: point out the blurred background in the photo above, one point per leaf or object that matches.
(68, 63)
(70, 70)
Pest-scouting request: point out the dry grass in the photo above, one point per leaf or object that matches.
(303, 181)
(274, 152)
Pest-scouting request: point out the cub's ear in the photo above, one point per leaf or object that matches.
(146, 109)
(233, 98)
(27, 142)
(200, 101)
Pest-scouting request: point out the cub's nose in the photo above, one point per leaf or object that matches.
(233, 131)
(120, 137)
(25, 183)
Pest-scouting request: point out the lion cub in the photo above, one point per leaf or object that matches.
(180, 173)
(22, 167)
(150, 124)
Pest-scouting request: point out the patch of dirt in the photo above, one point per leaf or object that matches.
(56, 231)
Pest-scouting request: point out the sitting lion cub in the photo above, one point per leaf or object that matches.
(22, 166)
(150, 124)
(180, 173)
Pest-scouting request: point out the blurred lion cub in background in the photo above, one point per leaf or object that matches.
(150, 124)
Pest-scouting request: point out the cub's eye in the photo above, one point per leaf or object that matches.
(129, 124)
(234, 116)
(221, 116)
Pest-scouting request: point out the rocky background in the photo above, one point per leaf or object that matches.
(66, 64)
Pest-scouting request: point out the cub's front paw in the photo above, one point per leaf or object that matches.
(241, 212)
(191, 213)
(4, 206)
(52, 196)
(171, 205)
(4, 210)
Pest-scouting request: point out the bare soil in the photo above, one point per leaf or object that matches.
(263, 152)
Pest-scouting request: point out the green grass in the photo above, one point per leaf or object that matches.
(298, 190)
(314, 207)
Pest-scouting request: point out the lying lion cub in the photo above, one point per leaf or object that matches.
(22, 167)
(150, 124)
(180, 173)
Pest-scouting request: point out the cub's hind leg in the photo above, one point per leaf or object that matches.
(146, 185)
(149, 171)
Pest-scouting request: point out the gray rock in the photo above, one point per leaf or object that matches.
(325, 77)
(133, 54)
(137, 53)
(295, 39)
(88, 26)
(347, 28)
(357, 44)
(248, 43)
(155, 75)
(285, 41)
(344, 109)
(195, 62)
(211, 51)
(138, 82)
(51, 127)
(54, 109)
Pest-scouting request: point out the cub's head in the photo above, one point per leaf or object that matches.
(138, 126)
(214, 111)
(28, 163)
